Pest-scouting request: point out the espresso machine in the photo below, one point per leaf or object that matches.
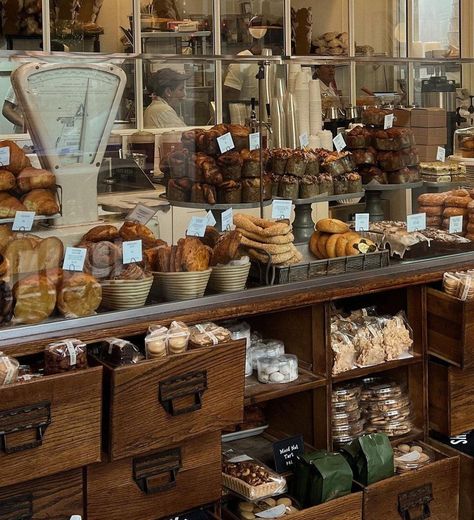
(440, 92)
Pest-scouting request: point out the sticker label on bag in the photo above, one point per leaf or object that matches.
(72, 353)
(225, 142)
(74, 259)
(132, 251)
(23, 220)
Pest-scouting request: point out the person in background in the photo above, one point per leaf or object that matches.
(327, 77)
(167, 89)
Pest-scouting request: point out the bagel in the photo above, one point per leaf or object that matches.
(322, 244)
(341, 246)
(331, 245)
(313, 244)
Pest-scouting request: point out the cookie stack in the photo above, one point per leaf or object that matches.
(267, 241)
(333, 239)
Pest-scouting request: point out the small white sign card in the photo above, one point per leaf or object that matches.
(441, 154)
(362, 221)
(141, 213)
(227, 219)
(416, 222)
(304, 140)
(132, 251)
(197, 227)
(225, 142)
(456, 224)
(74, 258)
(254, 141)
(281, 209)
(339, 142)
(23, 221)
(388, 121)
(211, 221)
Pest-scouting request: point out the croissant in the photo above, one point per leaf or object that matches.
(7, 180)
(18, 159)
(34, 178)
(42, 202)
(9, 205)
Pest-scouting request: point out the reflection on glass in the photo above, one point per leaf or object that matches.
(435, 29)
(176, 26)
(251, 26)
(178, 95)
(21, 24)
(387, 22)
(450, 72)
(381, 84)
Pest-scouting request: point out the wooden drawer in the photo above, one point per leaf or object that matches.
(179, 477)
(57, 497)
(450, 325)
(49, 425)
(451, 408)
(437, 483)
(344, 508)
(156, 403)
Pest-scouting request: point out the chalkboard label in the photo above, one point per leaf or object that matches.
(285, 452)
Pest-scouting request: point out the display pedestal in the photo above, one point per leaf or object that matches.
(373, 197)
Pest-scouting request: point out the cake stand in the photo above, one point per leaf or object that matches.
(373, 196)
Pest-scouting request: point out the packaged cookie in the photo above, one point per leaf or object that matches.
(208, 335)
(178, 337)
(250, 478)
(65, 355)
(346, 392)
(344, 352)
(156, 342)
(408, 457)
(282, 369)
(118, 352)
(276, 507)
(241, 330)
(8, 369)
(346, 406)
(343, 417)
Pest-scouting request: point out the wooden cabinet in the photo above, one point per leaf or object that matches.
(49, 425)
(156, 403)
(176, 478)
(57, 497)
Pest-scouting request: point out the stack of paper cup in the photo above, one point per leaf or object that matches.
(291, 122)
(302, 103)
(326, 140)
(315, 141)
(315, 107)
(293, 72)
(278, 115)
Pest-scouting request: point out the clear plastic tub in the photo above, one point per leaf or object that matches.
(283, 369)
(347, 392)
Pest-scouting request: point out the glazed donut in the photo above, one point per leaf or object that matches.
(454, 212)
(457, 202)
(431, 211)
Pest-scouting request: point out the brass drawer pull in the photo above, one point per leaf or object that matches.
(158, 472)
(18, 507)
(192, 384)
(31, 417)
(418, 498)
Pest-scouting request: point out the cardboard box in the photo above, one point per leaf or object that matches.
(427, 153)
(430, 136)
(420, 117)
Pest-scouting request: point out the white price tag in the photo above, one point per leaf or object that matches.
(227, 219)
(4, 156)
(74, 259)
(388, 121)
(23, 221)
(211, 221)
(141, 213)
(339, 142)
(197, 227)
(132, 251)
(456, 224)
(362, 221)
(254, 141)
(416, 222)
(441, 154)
(304, 140)
(225, 142)
(281, 209)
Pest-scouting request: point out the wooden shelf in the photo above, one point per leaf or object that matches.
(256, 392)
(365, 371)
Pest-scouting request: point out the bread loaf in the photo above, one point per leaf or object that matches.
(331, 225)
(100, 233)
(35, 299)
(431, 211)
(136, 231)
(9, 205)
(28, 255)
(18, 160)
(42, 202)
(7, 180)
(80, 294)
(195, 255)
(33, 178)
(226, 248)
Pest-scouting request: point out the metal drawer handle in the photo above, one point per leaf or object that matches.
(416, 498)
(192, 384)
(147, 469)
(31, 417)
(18, 507)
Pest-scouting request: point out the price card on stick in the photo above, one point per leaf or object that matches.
(197, 227)
(456, 224)
(304, 140)
(74, 258)
(132, 251)
(141, 213)
(441, 154)
(4, 156)
(23, 221)
(211, 221)
(388, 121)
(416, 222)
(227, 219)
(254, 141)
(339, 142)
(225, 142)
(362, 221)
(281, 209)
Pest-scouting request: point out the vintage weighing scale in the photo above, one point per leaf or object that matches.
(70, 109)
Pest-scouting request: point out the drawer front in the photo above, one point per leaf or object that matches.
(175, 479)
(431, 492)
(451, 409)
(158, 403)
(50, 425)
(57, 497)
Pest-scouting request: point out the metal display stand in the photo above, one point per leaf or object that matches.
(373, 197)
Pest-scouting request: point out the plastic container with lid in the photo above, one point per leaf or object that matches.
(346, 406)
(387, 405)
(412, 456)
(394, 429)
(8, 369)
(239, 330)
(282, 369)
(356, 428)
(347, 392)
(261, 349)
(341, 418)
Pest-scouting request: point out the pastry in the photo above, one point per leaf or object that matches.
(279, 160)
(18, 159)
(288, 187)
(434, 221)
(331, 245)
(296, 164)
(195, 255)
(374, 116)
(251, 189)
(6, 302)
(308, 187)
(80, 294)
(197, 194)
(179, 190)
(330, 225)
(28, 255)
(33, 178)
(337, 163)
(358, 246)
(432, 199)
(231, 164)
(211, 237)
(273, 249)
(312, 163)
(393, 139)
(9, 205)
(454, 212)
(358, 137)
(35, 299)
(68, 354)
(208, 335)
(457, 202)
(136, 231)
(190, 138)
(229, 192)
(209, 192)
(431, 211)
(251, 162)
(128, 272)
(326, 184)
(6, 235)
(290, 256)
(162, 264)
(341, 246)
(100, 233)
(42, 202)
(240, 136)
(364, 156)
(313, 244)
(7, 180)
(373, 174)
(354, 182)
(101, 259)
(341, 184)
(179, 163)
(278, 239)
(226, 248)
(119, 352)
